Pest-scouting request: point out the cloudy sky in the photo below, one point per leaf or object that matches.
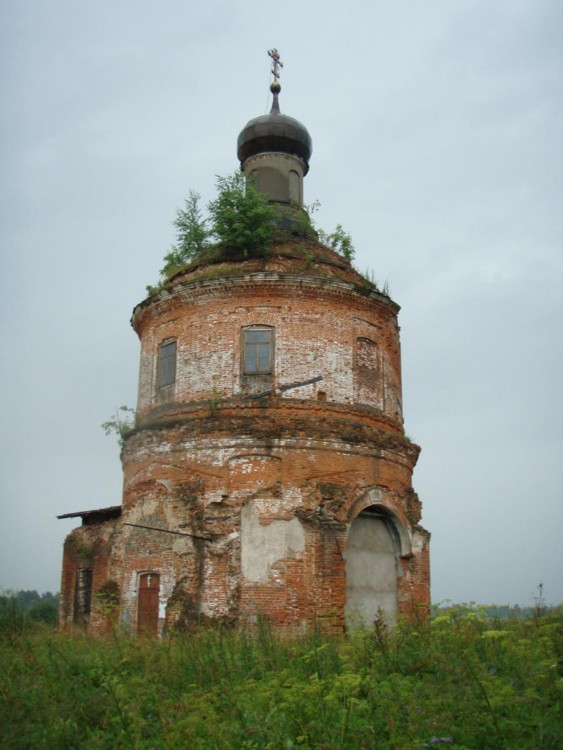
(436, 143)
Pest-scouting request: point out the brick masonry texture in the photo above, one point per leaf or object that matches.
(262, 492)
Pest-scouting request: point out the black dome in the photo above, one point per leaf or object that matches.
(275, 132)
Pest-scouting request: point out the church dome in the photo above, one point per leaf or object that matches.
(275, 133)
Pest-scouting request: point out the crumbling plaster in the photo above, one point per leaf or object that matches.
(263, 544)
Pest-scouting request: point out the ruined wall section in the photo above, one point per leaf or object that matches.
(263, 507)
(89, 594)
(271, 508)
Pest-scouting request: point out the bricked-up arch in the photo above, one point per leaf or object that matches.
(376, 500)
(377, 541)
(251, 473)
(372, 569)
(368, 383)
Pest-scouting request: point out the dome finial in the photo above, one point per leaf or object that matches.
(275, 86)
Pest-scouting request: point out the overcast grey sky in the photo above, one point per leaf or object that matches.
(436, 133)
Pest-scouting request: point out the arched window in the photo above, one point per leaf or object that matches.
(295, 187)
(257, 350)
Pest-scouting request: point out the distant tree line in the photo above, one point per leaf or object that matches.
(17, 608)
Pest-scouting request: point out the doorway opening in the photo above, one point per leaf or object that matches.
(148, 600)
(371, 568)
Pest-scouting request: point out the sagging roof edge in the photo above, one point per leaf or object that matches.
(103, 514)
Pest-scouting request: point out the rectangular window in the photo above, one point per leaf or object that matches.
(258, 350)
(166, 364)
(82, 593)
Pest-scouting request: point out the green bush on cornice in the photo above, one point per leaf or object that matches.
(242, 218)
(242, 223)
(220, 266)
(192, 236)
(339, 240)
(216, 263)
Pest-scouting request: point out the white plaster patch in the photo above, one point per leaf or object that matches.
(418, 542)
(262, 546)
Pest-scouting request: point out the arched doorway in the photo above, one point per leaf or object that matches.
(147, 611)
(371, 568)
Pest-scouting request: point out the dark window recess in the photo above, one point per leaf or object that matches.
(82, 593)
(166, 364)
(258, 351)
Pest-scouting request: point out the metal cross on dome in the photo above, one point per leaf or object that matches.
(275, 55)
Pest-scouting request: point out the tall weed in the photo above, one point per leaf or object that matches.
(466, 682)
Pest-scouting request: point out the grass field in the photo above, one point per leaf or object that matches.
(466, 681)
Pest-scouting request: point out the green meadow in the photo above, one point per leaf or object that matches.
(466, 680)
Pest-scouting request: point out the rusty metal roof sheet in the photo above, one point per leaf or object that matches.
(95, 516)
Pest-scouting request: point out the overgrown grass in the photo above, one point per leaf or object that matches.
(465, 682)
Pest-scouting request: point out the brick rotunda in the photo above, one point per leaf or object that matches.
(268, 474)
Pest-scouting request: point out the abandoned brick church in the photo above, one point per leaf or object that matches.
(268, 474)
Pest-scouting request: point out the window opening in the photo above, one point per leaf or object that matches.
(82, 593)
(258, 350)
(166, 363)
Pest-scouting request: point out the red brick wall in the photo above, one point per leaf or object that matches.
(300, 465)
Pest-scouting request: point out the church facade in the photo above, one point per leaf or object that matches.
(268, 474)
